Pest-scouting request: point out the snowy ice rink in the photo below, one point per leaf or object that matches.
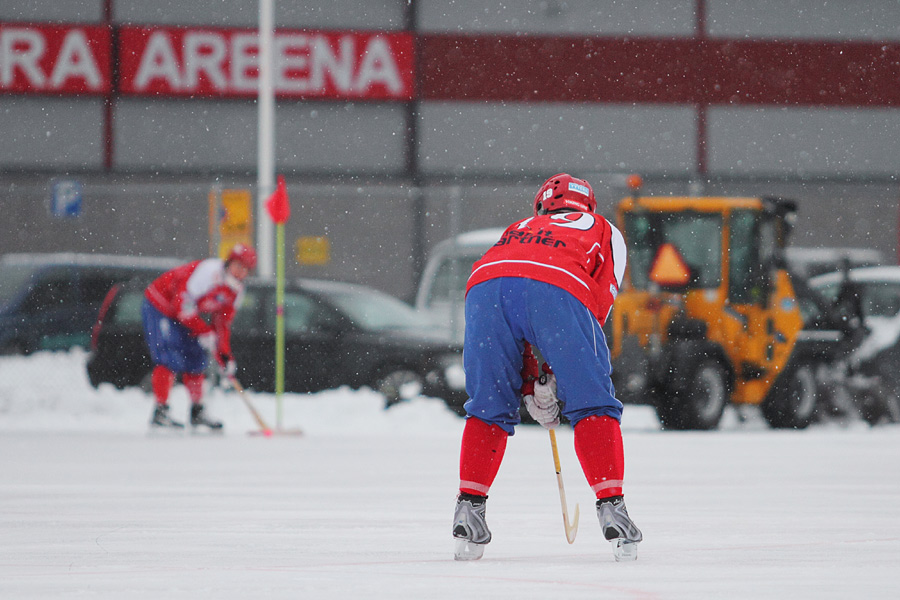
(92, 506)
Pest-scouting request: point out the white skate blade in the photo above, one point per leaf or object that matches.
(624, 550)
(466, 550)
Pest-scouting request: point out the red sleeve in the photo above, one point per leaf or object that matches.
(222, 325)
(196, 324)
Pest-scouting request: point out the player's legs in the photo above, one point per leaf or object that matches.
(492, 357)
(572, 342)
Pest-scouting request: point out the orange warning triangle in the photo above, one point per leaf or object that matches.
(669, 268)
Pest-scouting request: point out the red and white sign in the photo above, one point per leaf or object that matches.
(224, 62)
(54, 59)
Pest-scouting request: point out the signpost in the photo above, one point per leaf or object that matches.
(65, 198)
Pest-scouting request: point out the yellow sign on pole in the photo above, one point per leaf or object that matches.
(231, 220)
(313, 250)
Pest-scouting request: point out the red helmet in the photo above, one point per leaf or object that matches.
(243, 254)
(565, 191)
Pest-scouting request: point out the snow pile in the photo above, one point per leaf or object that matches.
(50, 391)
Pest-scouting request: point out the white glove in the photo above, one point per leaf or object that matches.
(208, 341)
(229, 369)
(543, 405)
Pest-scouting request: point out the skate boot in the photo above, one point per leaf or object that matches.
(199, 418)
(161, 418)
(618, 528)
(469, 527)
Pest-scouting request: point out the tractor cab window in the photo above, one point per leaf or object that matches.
(752, 246)
(696, 236)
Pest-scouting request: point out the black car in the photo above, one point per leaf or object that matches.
(336, 334)
(50, 301)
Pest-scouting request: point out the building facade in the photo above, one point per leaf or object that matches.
(398, 122)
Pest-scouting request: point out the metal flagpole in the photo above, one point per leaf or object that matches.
(279, 324)
(266, 140)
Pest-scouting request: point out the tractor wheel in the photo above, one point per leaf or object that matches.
(793, 403)
(877, 407)
(699, 404)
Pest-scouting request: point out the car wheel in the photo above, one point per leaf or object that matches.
(701, 402)
(399, 384)
(793, 403)
(146, 384)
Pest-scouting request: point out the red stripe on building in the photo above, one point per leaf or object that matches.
(682, 71)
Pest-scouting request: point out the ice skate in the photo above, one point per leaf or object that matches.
(161, 418)
(469, 527)
(199, 418)
(618, 528)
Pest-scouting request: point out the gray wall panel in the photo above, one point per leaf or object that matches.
(369, 226)
(799, 19)
(118, 216)
(66, 11)
(369, 229)
(325, 14)
(803, 142)
(361, 137)
(464, 138)
(833, 214)
(175, 135)
(179, 135)
(661, 18)
(51, 133)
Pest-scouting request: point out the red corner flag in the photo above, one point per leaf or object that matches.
(277, 204)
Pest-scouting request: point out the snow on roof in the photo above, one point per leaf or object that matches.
(885, 273)
(84, 259)
(477, 239)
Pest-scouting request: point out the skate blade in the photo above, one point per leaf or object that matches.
(624, 550)
(165, 431)
(466, 550)
(206, 430)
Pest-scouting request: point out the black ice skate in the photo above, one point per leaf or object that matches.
(161, 418)
(199, 418)
(618, 527)
(469, 527)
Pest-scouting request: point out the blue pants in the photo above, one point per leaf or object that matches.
(171, 343)
(501, 315)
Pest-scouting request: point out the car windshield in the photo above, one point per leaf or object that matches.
(375, 311)
(449, 284)
(12, 280)
(878, 298)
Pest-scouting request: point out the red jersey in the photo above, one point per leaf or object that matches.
(200, 287)
(582, 253)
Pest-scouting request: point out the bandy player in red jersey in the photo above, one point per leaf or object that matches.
(175, 311)
(549, 282)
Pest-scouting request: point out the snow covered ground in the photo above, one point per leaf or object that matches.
(92, 506)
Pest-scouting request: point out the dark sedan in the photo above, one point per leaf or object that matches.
(336, 334)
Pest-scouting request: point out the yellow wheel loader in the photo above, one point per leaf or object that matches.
(707, 314)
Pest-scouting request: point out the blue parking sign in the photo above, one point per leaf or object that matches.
(66, 198)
